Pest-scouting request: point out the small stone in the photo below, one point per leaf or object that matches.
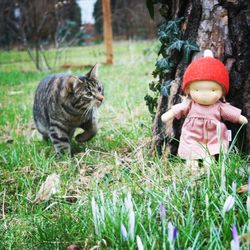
(73, 247)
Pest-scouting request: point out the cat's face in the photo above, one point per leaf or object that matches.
(85, 92)
(90, 90)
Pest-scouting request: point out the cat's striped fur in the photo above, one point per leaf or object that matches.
(63, 103)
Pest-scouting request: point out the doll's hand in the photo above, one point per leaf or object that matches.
(186, 101)
(243, 120)
(167, 116)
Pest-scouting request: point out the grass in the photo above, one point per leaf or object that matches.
(94, 197)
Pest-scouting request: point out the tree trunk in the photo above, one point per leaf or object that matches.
(223, 27)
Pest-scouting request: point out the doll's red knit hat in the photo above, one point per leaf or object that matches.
(206, 68)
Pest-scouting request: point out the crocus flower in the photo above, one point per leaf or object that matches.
(139, 243)
(172, 232)
(128, 202)
(223, 177)
(207, 201)
(95, 211)
(248, 205)
(228, 204)
(235, 244)
(234, 187)
(162, 212)
(124, 232)
(131, 223)
(149, 211)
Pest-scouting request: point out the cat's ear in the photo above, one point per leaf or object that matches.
(93, 73)
(70, 85)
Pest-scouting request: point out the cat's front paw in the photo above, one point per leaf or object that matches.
(62, 151)
(85, 136)
(61, 154)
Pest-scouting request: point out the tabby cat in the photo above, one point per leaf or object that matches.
(63, 103)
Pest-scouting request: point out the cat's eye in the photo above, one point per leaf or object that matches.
(99, 89)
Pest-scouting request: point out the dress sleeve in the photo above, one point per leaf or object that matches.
(230, 113)
(181, 109)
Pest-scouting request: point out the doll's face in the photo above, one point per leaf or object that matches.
(205, 92)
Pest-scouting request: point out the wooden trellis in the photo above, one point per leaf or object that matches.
(107, 29)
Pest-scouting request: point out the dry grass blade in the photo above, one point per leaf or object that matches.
(245, 237)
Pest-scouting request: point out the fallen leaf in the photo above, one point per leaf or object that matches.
(242, 189)
(48, 188)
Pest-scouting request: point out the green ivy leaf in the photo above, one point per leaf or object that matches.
(162, 50)
(154, 86)
(165, 87)
(174, 25)
(170, 31)
(189, 46)
(151, 102)
(177, 44)
(163, 36)
(164, 65)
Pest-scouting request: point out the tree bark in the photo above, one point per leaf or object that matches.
(223, 27)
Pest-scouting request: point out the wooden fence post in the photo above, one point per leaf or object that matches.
(107, 28)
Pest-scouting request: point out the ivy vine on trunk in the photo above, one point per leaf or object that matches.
(173, 47)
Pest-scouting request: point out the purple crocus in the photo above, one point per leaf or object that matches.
(172, 232)
(235, 243)
(162, 212)
(175, 232)
(228, 205)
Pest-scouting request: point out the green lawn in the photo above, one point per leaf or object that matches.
(94, 200)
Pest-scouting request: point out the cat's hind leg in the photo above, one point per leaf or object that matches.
(60, 139)
(42, 130)
(90, 130)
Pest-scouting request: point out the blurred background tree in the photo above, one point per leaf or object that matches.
(129, 20)
(39, 25)
(33, 25)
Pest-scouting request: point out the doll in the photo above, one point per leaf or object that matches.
(206, 82)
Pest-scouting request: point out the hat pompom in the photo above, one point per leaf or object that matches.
(206, 68)
(208, 53)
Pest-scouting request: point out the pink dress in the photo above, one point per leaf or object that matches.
(203, 131)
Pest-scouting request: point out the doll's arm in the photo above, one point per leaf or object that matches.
(243, 120)
(232, 114)
(167, 116)
(177, 111)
